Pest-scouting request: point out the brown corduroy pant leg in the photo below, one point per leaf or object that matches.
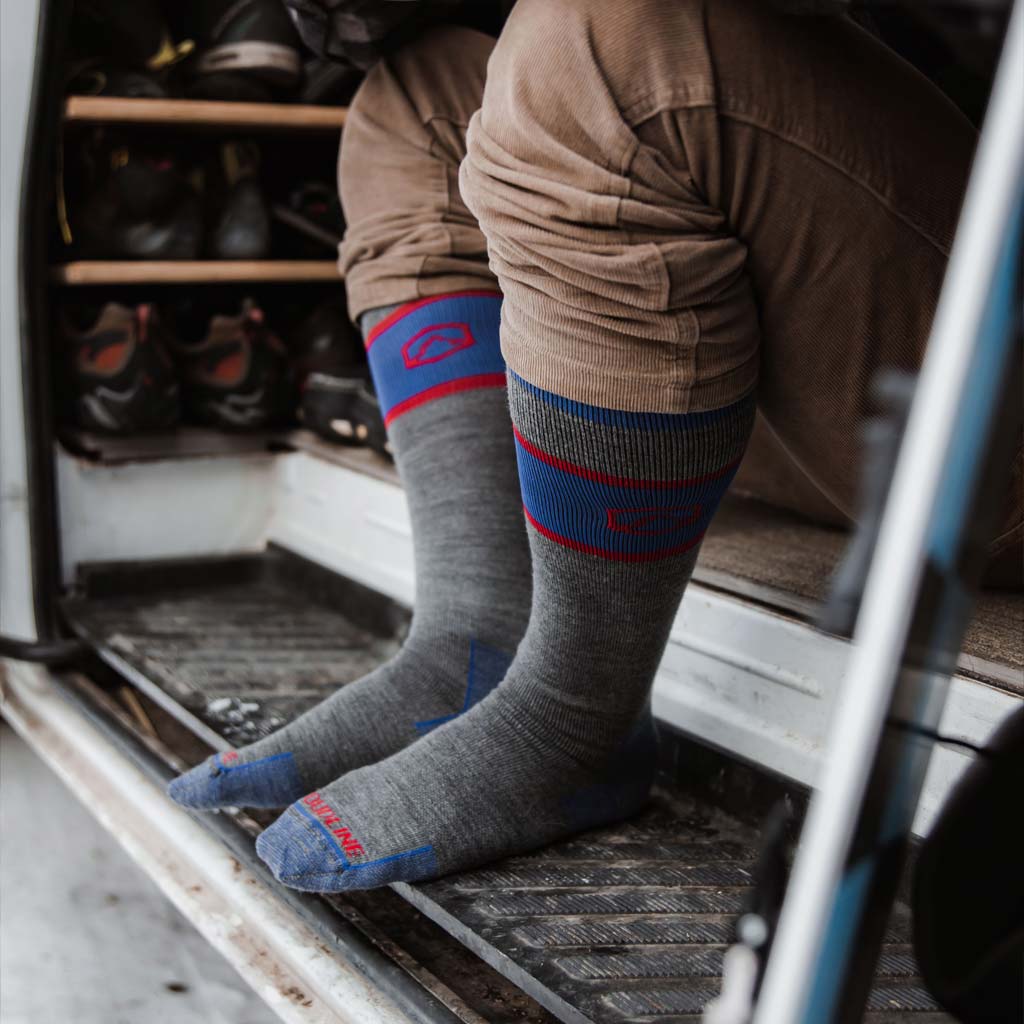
(683, 200)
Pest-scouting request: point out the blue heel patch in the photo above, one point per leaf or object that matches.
(487, 667)
(626, 785)
(221, 781)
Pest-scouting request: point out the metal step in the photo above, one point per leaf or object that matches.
(625, 924)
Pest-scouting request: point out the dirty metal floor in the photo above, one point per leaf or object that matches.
(627, 924)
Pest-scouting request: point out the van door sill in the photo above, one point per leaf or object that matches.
(624, 924)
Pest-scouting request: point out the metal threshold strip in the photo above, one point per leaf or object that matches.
(284, 960)
(620, 926)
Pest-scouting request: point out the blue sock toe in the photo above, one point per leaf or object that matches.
(301, 855)
(304, 853)
(220, 781)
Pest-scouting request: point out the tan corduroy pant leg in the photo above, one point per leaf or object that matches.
(409, 234)
(685, 199)
(682, 200)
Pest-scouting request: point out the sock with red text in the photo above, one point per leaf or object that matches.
(617, 504)
(440, 379)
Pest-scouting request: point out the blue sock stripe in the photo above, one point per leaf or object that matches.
(323, 828)
(617, 518)
(419, 851)
(433, 723)
(425, 853)
(469, 676)
(273, 781)
(630, 420)
(436, 347)
(261, 762)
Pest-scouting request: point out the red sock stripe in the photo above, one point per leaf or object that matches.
(452, 387)
(403, 311)
(615, 556)
(620, 481)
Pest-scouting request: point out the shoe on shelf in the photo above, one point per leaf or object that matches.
(313, 221)
(134, 35)
(327, 83)
(344, 410)
(240, 219)
(337, 400)
(95, 78)
(233, 369)
(117, 376)
(246, 50)
(134, 202)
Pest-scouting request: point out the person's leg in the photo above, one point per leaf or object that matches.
(617, 496)
(416, 271)
(630, 326)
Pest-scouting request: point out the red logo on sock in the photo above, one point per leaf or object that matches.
(435, 343)
(228, 757)
(649, 522)
(316, 803)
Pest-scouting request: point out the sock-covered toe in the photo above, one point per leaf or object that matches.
(300, 854)
(309, 848)
(222, 781)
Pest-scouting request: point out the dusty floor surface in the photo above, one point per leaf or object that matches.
(85, 936)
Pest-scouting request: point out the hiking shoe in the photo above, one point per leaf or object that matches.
(134, 35)
(96, 79)
(337, 399)
(314, 221)
(234, 371)
(245, 50)
(240, 220)
(118, 377)
(344, 410)
(136, 203)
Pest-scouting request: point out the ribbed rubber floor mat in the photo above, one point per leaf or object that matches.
(631, 923)
(628, 924)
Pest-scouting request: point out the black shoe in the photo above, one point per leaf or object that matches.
(118, 377)
(313, 222)
(234, 371)
(246, 50)
(240, 227)
(95, 79)
(327, 83)
(337, 398)
(133, 34)
(344, 410)
(137, 203)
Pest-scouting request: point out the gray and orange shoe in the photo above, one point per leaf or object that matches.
(118, 377)
(235, 374)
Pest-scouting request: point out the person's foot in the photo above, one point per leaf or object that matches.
(450, 426)
(502, 780)
(617, 504)
(428, 683)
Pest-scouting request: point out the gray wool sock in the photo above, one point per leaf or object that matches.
(443, 393)
(617, 504)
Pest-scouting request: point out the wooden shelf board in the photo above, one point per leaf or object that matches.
(361, 460)
(271, 116)
(184, 442)
(192, 272)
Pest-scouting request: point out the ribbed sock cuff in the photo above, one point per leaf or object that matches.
(630, 487)
(431, 348)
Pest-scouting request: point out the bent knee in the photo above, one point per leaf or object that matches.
(439, 75)
(409, 115)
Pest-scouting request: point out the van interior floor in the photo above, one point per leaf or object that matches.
(785, 562)
(626, 924)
